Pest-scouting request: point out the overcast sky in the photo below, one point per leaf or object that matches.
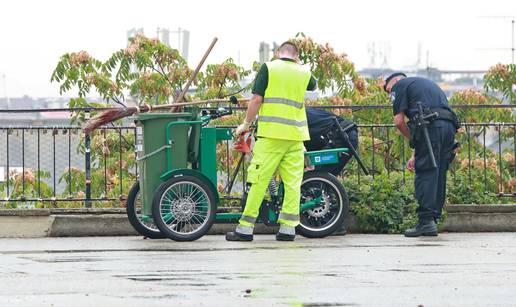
(35, 33)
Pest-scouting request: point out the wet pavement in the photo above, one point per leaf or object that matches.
(354, 270)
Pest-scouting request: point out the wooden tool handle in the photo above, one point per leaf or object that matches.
(194, 73)
(183, 104)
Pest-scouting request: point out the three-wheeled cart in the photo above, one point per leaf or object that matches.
(176, 195)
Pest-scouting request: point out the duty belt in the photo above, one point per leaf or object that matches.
(419, 123)
(447, 115)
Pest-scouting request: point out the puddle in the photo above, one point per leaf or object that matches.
(394, 270)
(65, 260)
(153, 277)
(164, 296)
(218, 249)
(326, 304)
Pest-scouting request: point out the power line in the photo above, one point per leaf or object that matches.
(512, 19)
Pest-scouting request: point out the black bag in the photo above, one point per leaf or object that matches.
(324, 135)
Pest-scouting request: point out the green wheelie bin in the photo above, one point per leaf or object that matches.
(162, 144)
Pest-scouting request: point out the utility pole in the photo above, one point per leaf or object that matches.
(428, 64)
(512, 19)
(7, 100)
(418, 61)
(512, 38)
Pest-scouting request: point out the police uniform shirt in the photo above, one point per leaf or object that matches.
(407, 91)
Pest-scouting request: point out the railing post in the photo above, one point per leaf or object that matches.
(87, 166)
(8, 195)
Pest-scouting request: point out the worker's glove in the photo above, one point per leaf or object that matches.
(242, 128)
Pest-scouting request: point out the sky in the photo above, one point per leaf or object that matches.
(456, 34)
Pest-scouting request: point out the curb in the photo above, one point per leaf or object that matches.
(481, 218)
(21, 223)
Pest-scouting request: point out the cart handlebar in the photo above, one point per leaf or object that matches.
(208, 115)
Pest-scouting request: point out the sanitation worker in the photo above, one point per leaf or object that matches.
(441, 125)
(278, 100)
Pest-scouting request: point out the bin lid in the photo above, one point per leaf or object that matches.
(151, 116)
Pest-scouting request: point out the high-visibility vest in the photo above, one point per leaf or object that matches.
(282, 114)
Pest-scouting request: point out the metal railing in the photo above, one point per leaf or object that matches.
(52, 164)
(480, 162)
(59, 166)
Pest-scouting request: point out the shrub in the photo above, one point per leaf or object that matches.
(383, 204)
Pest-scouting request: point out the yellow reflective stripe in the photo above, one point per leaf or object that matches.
(284, 101)
(245, 230)
(248, 219)
(288, 217)
(288, 230)
(280, 120)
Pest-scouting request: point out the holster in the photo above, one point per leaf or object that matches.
(414, 134)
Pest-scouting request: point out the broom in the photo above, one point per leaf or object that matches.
(113, 114)
(118, 113)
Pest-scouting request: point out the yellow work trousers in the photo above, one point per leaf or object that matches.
(270, 155)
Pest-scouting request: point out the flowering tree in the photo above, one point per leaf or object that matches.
(502, 78)
(146, 71)
(149, 70)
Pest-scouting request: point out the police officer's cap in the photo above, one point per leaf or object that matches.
(389, 78)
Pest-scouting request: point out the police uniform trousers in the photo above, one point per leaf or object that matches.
(430, 183)
(270, 155)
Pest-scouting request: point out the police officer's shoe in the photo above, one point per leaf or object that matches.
(236, 236)
(423, 228)
(284, 237)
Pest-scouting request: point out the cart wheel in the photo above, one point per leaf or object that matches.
(142, 224)
(333, 205)
(184, 208)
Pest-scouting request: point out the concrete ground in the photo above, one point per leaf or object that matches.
(456, 269)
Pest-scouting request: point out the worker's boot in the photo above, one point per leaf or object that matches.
(236, 236)
(284, 237)
(286, 233)
(423, 228)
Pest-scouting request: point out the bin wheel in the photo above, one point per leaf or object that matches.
(327, 218)
(143, 225)
(184, 208)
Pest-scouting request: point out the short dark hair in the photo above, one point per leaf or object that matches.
(289, 47)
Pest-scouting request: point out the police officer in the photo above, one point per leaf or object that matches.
(430, 181)
(278, 99)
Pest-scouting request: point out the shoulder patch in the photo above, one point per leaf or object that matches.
(393, 96)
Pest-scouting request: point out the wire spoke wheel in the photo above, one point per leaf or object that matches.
(331, 205)
(143, 224)
(184, 207)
